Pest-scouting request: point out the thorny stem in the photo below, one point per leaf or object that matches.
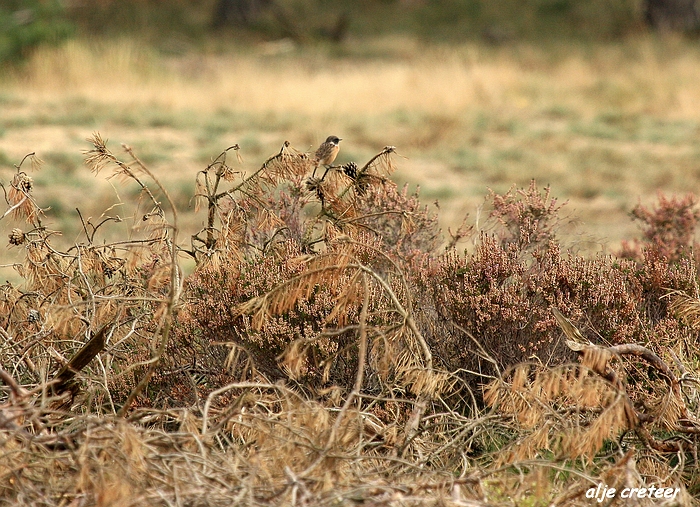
(211, 192)
(262, 168)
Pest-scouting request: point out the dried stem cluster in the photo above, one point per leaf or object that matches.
(328, 350)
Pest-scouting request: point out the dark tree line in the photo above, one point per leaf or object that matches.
(238, 12)
(294, 21)
(661, 15)
(672, 15)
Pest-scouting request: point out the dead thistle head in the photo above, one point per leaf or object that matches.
(17, 237)
(19, 195)
(23, 182)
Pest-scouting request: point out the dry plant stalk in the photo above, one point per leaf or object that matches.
(569, 411)
(330, 390)
(572, 410)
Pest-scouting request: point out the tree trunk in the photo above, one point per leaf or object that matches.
(237, 12)
(672, 15)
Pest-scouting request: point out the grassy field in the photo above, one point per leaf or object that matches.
(326, 351)
(606, 125)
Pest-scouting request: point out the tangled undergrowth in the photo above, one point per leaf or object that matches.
(332, 348)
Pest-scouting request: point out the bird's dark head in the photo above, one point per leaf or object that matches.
(333, 139)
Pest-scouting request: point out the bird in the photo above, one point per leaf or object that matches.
(326, 153)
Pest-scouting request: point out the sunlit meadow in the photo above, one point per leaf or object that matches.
(290, 338)
(604, 125)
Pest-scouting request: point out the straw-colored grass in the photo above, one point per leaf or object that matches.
(327, 351)
(645, 76)
(605, 124)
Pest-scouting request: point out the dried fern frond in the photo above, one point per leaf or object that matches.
(322, 270)
(381, 164)
(326, 191)
(580, 410)
(287, 164)
(610, 422)
(347, 301)
(668, 410)
(20, 199)
(233, 228)
(100, 157)
(424, 382)
(596, 358)
(224, 171)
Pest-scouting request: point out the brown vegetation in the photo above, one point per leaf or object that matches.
(327, 349)
(606, 124)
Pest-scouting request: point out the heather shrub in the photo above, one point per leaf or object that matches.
(315, 240)
(495, 303)
(480, 311)
(668, 229)
(327, 346)
(528, 217)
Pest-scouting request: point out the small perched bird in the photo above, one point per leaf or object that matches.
(326, 153)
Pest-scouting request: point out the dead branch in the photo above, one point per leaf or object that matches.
(17, 390)
(86, 354)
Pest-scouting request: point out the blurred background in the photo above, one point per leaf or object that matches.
(598, 99)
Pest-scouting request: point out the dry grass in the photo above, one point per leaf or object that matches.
(649, 76)
(604, 124)
(333, 387)
(323, 351)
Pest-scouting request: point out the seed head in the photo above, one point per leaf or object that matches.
(17, 237)
(33, 316)
(350, 169)
(22, 181)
